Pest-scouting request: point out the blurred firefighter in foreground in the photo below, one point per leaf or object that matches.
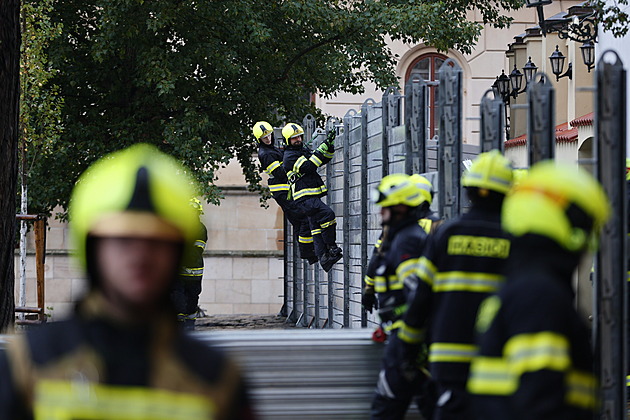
(187, 288)
(270, 159)
(306, 187)
(121, 355)
(534, 359)
(428, 220)
(462, 263)
(402, 200)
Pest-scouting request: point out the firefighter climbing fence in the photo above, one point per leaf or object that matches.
(380, 138)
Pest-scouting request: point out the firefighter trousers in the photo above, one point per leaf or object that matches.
(395, 391)
(307, 243)
(322, 221)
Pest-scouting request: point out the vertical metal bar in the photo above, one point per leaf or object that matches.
(346, 217)
(305, 276)
(492, 122)
(390, 119)
(330, 274)
(364, 197)
(40, 258)
(294, 262)
(611, 293)
(285, 268)
(309, 124)
(541, 131)
(415, 126)
(316, 294)
(450, 97)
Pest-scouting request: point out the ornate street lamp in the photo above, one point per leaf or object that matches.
(529, 70)
(503, 84)
(557, 64)
(516, 81)
(588, 54)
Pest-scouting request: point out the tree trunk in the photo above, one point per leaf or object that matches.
(9, 105)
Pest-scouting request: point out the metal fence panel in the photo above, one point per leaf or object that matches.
(611, 302)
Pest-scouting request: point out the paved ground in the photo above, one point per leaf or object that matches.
(243, 321)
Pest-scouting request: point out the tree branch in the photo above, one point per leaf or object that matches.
(287, 69)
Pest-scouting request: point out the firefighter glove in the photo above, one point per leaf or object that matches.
(368, 299)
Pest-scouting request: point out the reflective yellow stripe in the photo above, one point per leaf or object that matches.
(369, 281)
(315, 160)
(298, 163)
(61, 400)
(273, 166)
(279, 187)
(425, 224)
(309, 191)
(490, 376)
(380, 283)
(328, 224)
(406, 268)
(326, 154)
(186, 271)
(305, 239)
(478, 246)
(201, 244)
(452, 352)
(628, 380)
(426, 270)
(537, 351)
(394, 325)
(316, 232)
(410, 335)
(461, 281)
(581, 389)
(378, 243)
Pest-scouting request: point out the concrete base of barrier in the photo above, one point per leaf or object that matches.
(307, 374)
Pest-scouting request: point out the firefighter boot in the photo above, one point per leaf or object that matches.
(330, 257)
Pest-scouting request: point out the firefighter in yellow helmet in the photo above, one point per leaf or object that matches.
(402, 200)
(307, 188)
(270, 158)
(427, 219)
(462, 263)
(122, 349)
(534, 358)
(187, 288)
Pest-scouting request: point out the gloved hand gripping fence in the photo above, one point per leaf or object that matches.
(328, 145)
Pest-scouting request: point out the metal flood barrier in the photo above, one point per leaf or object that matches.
(379, 139)
(306, 373)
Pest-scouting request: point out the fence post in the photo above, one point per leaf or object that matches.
(492, 122)
(450, 138)
(611, 294)
(415, 126)
(365, 196)
(541, 127)
(346, 215)
(391, 118)
(309, 124)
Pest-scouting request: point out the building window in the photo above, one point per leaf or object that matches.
(427, 66)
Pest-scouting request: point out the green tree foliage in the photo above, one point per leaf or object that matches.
(40, 102)
(613, 16)
(192, 76)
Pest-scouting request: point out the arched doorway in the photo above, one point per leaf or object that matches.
(427, 66)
